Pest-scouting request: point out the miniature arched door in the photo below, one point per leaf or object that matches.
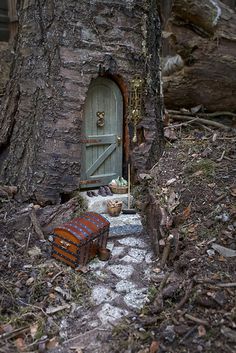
(103, 129)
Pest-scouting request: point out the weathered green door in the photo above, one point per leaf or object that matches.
(103, 128)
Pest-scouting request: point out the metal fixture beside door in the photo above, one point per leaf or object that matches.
(103, 130)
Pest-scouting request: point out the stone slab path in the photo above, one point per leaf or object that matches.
(119, 287)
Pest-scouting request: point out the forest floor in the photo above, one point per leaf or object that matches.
(191, 304)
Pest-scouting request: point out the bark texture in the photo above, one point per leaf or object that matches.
(61, 46)
(199, 65)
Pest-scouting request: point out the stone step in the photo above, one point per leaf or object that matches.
(99, 203)
(124, 224)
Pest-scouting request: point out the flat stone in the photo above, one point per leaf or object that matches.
(101, 275)
(96, 264)
(110, 314)
(149, 258)
(125, 286)
(122, 271)
(102, 294)
(133, 242)
(138, 254)
(110, 246)
(129, 259)
(124, 224)
(117, 250)
(137, 298)
(99, 203)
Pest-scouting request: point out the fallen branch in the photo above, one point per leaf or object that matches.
(209, 115)
(197, 320)
(165, 254)
(201, 121)
(185, 298)
(226, 285)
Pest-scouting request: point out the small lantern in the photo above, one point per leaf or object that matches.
(135, 103)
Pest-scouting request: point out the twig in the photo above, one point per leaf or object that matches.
(181, 124)
(36, 225)
(163, 282)
(28, 240)
(185, 298)
(221, 157)
(202, 121)
(58, 274)
(33, 306)
(12, 334)
(197, 320)
(188, 334)
(210, 115)
(226, 285)
(213, 115)
(165, 254)
(221, 197)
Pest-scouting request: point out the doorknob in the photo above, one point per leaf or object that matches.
(118, 140)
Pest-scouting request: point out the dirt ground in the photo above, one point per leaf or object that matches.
(192, 295)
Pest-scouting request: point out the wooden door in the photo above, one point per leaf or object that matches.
(103, 129)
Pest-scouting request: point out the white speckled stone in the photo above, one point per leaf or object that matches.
(125, 286)
(122, 271)
(110, 314)
(96, 264)
(102, 294)
(110, 246)
(137, 298)
(129, 259)
(149, 258)
(137, 254)
(131, 241)
(117, 250)
(99, 204)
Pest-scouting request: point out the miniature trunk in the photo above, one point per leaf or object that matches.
(78, 241)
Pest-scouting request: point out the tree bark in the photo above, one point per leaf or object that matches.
(60, 48)
(199, 55)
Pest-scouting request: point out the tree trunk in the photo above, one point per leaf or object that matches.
(61, 46)
(199, 64)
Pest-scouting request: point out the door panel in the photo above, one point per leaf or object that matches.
(102, 153)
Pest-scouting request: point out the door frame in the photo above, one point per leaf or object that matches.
(118, 80)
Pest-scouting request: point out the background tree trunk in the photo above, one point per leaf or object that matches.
(199, 51)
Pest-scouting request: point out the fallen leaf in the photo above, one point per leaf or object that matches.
(66, 294)
(34, 329)
(229, 333)
(154, 347)
(77, 349)
(29, 281)
(233, 192)
(186, 212)
(192, 228)
(53, 310)
(7, 328)
(201, 331)
(214, 137)
(20, 344)
(52, 343)
(198, 173)
(170, 134)
(156, 270)
(223, 251)
(35, 251)
(168, 183)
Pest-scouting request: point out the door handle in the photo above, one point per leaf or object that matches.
(119, 139)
